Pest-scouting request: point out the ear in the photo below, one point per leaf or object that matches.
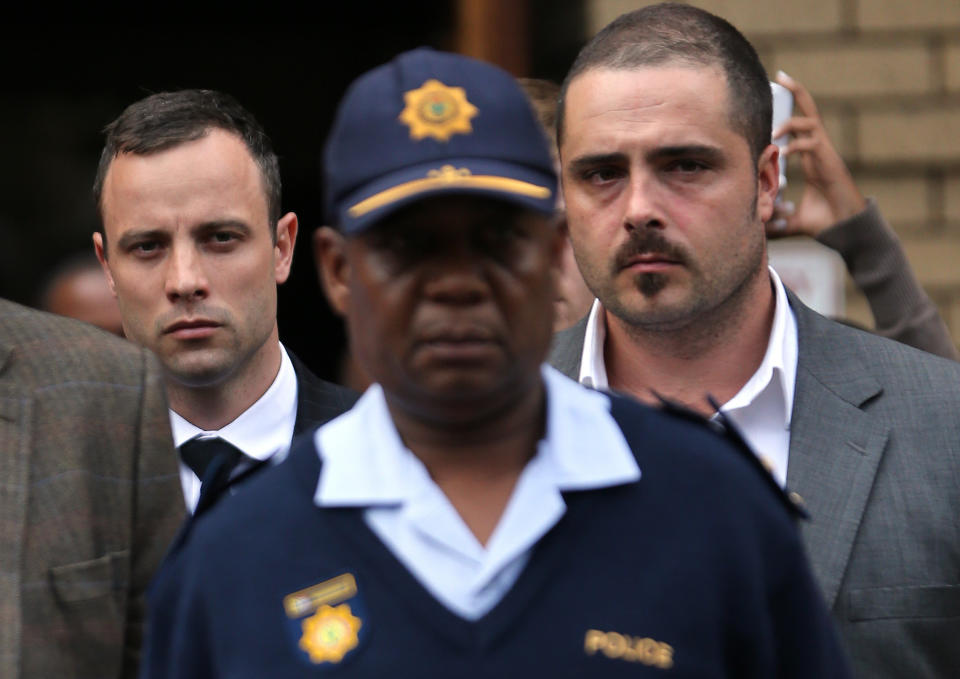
(768, 182)
(286, 240)
(98, 247)
(330, 256)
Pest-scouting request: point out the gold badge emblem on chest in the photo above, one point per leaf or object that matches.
(330, 633)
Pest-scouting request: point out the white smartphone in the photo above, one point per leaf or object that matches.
(782, 111)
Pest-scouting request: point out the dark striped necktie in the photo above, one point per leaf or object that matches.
(213, 461)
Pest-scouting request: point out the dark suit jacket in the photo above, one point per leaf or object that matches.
(875, 453)
(317, 400)
(89, 496)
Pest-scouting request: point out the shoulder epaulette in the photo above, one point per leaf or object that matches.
(725, 427)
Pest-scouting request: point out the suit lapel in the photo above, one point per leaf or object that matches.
(317, 401)
(14, 478)
(567, 349)
(835, 445)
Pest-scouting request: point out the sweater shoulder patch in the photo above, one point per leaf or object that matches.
(624, 409)
(326, 622)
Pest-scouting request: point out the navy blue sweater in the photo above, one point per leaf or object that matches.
(695, 570)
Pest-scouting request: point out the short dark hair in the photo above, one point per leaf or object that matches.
(167, 119)
(677, 33)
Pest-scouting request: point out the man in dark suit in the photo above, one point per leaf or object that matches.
(194, 245)
(669, 176)
(87, 473)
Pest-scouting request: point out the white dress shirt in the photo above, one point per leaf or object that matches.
(365, 464)
(261, 431)
(761, 409)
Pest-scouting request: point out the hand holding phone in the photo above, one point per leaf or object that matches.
(829, 194)
(782, 111)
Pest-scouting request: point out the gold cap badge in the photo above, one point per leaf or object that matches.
(330, 633)
(435, 110)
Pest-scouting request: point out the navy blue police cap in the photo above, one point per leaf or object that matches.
(430, 123)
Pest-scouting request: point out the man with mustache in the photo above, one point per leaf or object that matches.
(476, 514)
(193, 246)
(669, 177)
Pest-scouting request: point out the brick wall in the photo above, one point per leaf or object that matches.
(886, 76)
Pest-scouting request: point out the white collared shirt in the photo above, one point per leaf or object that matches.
(261, 431)
(365, 464)
(761, 409)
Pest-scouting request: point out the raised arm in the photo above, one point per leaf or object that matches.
(832, 210)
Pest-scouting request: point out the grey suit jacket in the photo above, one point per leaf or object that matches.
(875, 453)
(89, 496)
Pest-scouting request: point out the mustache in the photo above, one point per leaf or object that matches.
(647, 242)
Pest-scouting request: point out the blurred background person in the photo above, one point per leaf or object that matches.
(832, 210)
(76, 288)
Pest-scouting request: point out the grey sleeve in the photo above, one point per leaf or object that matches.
(875, 259)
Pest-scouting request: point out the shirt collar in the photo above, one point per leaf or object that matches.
(263, 429)
(778, 370)
(593, 370)
(365, 462)
(777, 374)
